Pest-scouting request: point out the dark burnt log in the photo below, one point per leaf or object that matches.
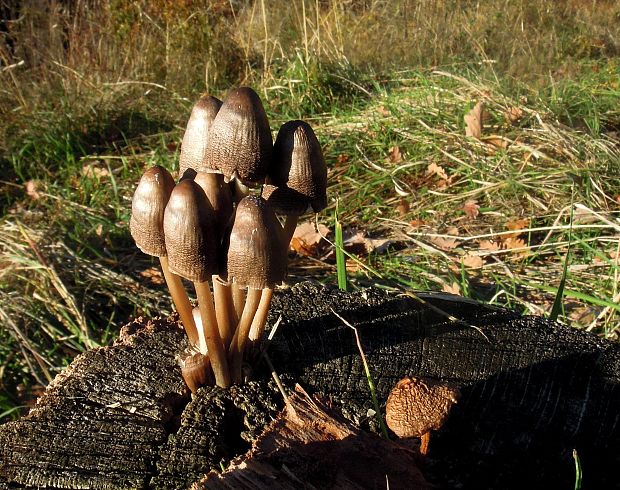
(532, 391)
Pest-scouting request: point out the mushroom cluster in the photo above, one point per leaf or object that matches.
(218, 227)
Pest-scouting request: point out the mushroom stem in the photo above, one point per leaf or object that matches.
(238, 296)
(260, 319)
(180, 300)
(223, 300)
(237, 346)
(424, 441)
(211, 335)
(290, 224)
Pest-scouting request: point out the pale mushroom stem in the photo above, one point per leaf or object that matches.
(260, 319)
(237, 346)
(180, 300)
(424, 441)
(290, 224)
(238, 295)
(223, 300)
(211, 335)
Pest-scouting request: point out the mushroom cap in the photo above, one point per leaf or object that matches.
(220, 197)
(416, 406)
(194, 369)
(298, 163)
(285, 200)
(191, 236)
(147, 210)
(240, 142)
(197, 135)
(257, 255)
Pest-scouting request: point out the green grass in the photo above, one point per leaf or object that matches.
(82, 132)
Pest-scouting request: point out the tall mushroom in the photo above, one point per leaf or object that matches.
(298, 173)
(192, 251)
(147, 228)
(196, 135)
(256, 261)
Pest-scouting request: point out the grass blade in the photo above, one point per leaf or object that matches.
(558, 306)
(578, 474)
(341, 264)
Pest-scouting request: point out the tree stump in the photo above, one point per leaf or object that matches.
(532, 392)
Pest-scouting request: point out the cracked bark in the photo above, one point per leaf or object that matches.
(532, 391)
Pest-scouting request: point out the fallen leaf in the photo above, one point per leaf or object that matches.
(454, 288)
(306, 238)
(514, 243)
(513, 115)
(434, 169)
(358, 243)
(489, 245)
(383, 111)
(402, 208)
(473, 121)
(416, 223)
(91, 170)
(342, 158)
(443, 243)
(32, 189)
(394, 155)
(153, 274)
(614, 254)
(496, 141)
(472, 261)
(452, 230)
(471, 208)
(518, 224)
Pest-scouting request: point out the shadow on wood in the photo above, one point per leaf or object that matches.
(532, 391)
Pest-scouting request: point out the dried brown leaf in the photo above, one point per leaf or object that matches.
(91, 170)
(473, 121)
(511, 243)
(472, 261)
(454, 288)
(471, 208)
(444, 243)
(513, 115)
(402, 208)
(439, 171)
(154, 275)
(306, 238)
(394, 155)
(489, 245)
(383, 111)
(416, 223)
(496, 141)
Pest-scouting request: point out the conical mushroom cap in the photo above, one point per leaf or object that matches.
(240, 138)
(298, 163)
(220, 197)
(256, 252)
(197, 135)
(285, 200)
(147, 210)
(416, 406)
(189, 228)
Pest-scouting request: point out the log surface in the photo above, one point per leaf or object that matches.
(532, 392)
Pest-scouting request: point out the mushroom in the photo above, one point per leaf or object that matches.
(197, 135)
(192, 252)
(240, 142)
(416, 406)
(147, 229)
(194, 370)
(298, 173)
(256, 260)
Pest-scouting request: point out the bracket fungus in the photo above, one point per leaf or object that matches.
(147, 228)
(416, 406)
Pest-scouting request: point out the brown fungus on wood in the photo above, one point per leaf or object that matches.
(240, 142)
(189, 227)
(256, 260)
(416, 406)
(299, 173)
(197, 135)
(147, 228)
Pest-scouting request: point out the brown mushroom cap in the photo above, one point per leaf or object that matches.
(220, 197)
(256, 253)
(194, 370)
(298, 163)
(147, 210)
(285, 200)
(240, 140)
(189, 229)
(197, 135)
(416, 406)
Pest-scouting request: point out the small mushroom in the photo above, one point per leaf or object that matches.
(240, 142)
(416, 406)
(256, 261)
(298, 173)
(197, 135)
(147, 228)
(194, 370)
(192, 251)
